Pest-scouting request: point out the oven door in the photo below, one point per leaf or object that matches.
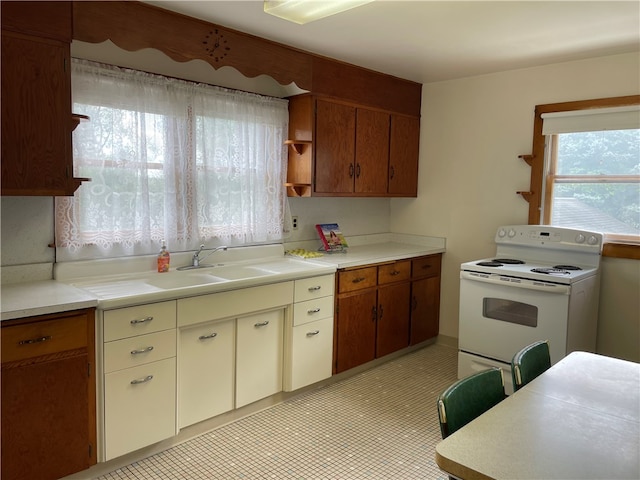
(499, 315)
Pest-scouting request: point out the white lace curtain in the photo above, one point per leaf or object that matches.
(171, 161)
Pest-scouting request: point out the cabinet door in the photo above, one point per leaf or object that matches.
(393, 318)
(45, 418)
(425, 309)
(36, 117)
(311, 352)
(356, 330)
(205, 371)
(372, 152)
(403, 156)
(259, 356)
(48, 395)
(140, 407)
(334, 147)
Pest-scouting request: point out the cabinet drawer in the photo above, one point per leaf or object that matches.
(305, 312)
(140, 407)
(308, 288)
(350, 280)
(426, 266)
(394, 272)
(139, 320)
(134, 351)
(312, 353)
(43, 338)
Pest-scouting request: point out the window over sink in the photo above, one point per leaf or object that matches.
(170, 160)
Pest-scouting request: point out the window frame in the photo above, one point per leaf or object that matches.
(536, 160)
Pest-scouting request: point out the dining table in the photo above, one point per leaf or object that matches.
(580, 419)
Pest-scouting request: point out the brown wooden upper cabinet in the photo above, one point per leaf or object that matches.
(37, 123)
(342, 149)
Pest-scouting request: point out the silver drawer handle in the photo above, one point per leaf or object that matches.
(142, 350)
(141, 320)
(206, 337)
(146, 379)
(315, 289)
(311, 312)
(311, 334)
(35, 340)
(261, 324)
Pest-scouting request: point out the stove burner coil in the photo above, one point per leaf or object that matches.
(509, 261)
(551, 271)
(567, 267)
(490, 264)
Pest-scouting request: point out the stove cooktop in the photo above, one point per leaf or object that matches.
(533, 270)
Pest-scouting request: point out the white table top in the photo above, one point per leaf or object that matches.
(578, 420)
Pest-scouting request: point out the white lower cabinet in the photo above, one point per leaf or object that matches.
(311, 353)
(141, 406)
(206, 371)
(138, 367)
(259, 356)
(167, 365)
(309, 337)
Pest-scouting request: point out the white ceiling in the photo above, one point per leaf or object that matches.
(429, 41)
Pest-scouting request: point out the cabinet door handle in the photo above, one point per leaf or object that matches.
(311, 334)
(358, 280)
(207, 337)
(358, 171)
(380, 309)
(142, 350)
(315, 289)
(374, 314)
(311, 312)
(261, 324)
(146, 379)
(35, 340)
(351, 170)
(414, 303)
(141, 320)
(392, 172)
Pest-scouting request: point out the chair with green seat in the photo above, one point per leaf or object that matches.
(469, 398)
(530, 362)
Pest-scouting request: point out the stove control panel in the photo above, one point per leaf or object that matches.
(540, 235)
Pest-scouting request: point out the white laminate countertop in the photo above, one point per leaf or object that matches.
(28, 299)
(359, 255)
(121, 282)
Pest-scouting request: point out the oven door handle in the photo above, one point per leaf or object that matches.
(504, 281)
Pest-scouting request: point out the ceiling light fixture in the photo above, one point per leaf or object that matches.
(305, 11)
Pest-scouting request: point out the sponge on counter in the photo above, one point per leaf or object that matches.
(302, 253)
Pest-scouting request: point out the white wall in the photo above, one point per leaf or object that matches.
(472, 131)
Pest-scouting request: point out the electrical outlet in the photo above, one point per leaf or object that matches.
(294, 221)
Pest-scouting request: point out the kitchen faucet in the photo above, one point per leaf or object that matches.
(196, 259)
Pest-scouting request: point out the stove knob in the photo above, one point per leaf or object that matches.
(580, 238)
(593, 240)
(512, 233)
(501, 233)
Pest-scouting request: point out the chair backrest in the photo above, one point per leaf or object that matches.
(530, 362)
(469, 398)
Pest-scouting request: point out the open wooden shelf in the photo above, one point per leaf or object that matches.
(298, 146)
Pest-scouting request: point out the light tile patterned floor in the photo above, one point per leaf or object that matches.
(380, 424)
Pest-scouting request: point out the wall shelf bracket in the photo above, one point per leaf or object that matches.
(528, 159)
(298, 146)
(526, 195)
